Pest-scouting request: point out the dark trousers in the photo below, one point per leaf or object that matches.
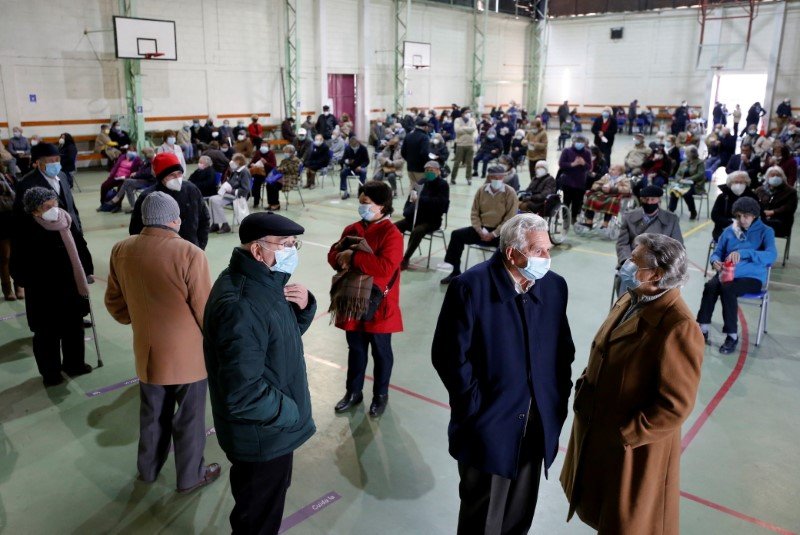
(358, 343)
(274, 193)
(362, 177)
(415, 238)
(735, 129)
(728, 294)
(482, 157)
(494, 505)
(63, 338)
(160, 422)
(259, 490)
(605, 149)
(688, 197)
(782, 228)
(573, 197)
(258, 181)
(460, 238)
(109, 184)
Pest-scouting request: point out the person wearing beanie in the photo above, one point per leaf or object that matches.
(51, 261)
(494, 203)
(415, 150)
(158, 284)
(194, 218)
(741, 259)
(533, 198)
(427, 204)
(491, 148)
(257, 378)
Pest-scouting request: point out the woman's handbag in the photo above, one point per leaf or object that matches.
(376, 296)
(240, 209)
(274, 176)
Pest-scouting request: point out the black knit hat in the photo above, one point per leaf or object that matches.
(746, 205)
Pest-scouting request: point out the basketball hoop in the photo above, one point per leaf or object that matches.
(153, 55)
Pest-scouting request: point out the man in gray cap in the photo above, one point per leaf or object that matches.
(495, 203)
(256, 371)
(427, 204)
(159, 284)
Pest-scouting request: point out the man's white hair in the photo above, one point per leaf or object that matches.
(514, 232)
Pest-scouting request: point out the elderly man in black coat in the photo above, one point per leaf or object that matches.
(504, 350)
(195, 219)
(415, 150)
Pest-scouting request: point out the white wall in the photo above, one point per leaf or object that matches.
(656, 59)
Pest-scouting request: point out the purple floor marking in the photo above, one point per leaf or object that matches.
(111, 388)
(12, 316)
(308, 511)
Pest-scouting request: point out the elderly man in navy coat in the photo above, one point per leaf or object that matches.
(504, 350)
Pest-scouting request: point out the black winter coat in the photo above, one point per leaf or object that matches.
(416, 147)
(205, 180)
(257, 378)
(721, 213)
(490, 145)
(69, 156)
(611, 131)
(356, 158)
(325, 125)
(434, 202)
(194, 212)
(318, 157)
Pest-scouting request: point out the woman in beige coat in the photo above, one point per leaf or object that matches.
(621, 472)
(537, 145)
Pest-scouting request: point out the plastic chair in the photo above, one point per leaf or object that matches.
(704, 196)
(762, 300)
(482, 248)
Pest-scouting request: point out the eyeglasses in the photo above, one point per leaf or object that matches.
(297, 244)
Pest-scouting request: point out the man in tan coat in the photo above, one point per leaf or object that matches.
(622, 469)
(536, 140)
(159, 284)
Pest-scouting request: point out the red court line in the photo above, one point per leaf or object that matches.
(724, 389)
(736, 514)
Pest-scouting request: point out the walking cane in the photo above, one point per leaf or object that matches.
(94, 336)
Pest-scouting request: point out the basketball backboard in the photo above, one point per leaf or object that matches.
(416, 55)
(136, 38)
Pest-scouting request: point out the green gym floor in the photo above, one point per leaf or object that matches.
(68, 458)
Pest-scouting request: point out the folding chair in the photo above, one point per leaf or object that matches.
(483, 248)
(711, 246)
(438, 233)
(297, 187)
(762, 300)
(786, 249)
(615, 288)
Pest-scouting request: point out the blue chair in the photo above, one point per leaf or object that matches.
(762, 300)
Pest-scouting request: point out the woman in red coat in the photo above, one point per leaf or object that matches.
(369, 250)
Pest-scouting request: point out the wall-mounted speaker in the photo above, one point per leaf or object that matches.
(616, 33)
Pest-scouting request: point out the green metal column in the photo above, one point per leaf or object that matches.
(133, 86)
(402, 10)
(292, 75)
(537, 36)
(480, 19)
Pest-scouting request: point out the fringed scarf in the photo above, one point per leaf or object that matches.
(350, 289)
(62, 225)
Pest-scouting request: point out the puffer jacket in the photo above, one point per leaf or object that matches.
(465, 132)
(254, 357)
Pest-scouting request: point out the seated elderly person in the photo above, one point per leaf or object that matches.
(495, 203)
(778, 201)
(746, 248)
(427, 204)
(690, 178)
(125, 167)
(289, 172)
(745, 161)
(637, 155)
(337, 146)
(237, 186)
(143, 178)
(736, 186)
(647, 219)
(512, 178)
(491, 148)
(390, 162)
(204, 177)
(656, 169)
(355, 162)
(532, 199)
(317, 159)
(605, 196)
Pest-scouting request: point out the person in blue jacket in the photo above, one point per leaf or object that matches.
(749, 245)
(257, 379)
(504, 351)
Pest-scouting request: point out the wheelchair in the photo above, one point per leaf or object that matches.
(557, 215)
(626, 204)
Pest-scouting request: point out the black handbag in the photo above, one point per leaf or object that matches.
(376, 296)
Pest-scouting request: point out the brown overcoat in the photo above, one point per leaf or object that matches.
(621, 472)
(159, 283)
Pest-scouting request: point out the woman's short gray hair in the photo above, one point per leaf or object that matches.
(775, 171)
(667, 254)
(205, 159)
(514, 232)
(35, 197)
(738, 174)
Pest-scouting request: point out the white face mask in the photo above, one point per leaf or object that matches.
(737, 189)
(435, 141)
(215, 134)
(541, 171)
(233, 166)
(51, 215)
(774, 181)
(317, 143)
(170, 140)
(497, 185)
(175, 184)
(241, 138)
(34, 142)
(61, 141)
(263, 150)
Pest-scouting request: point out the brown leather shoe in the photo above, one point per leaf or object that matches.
(213, 471)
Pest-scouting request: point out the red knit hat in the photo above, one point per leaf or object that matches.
(165, 163)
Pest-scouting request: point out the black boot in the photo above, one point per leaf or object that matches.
(378, 405)
(350, 400)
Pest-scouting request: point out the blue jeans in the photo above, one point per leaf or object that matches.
(482, 157)
(362, 177)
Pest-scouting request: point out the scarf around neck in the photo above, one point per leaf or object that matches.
(62, 226)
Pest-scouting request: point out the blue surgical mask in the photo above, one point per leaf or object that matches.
(605, 115)
(52, 169)
(627, 273)
(579, 146)
(286, 260)
(536, 268)
(365, 212)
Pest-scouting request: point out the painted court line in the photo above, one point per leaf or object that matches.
(12, 316)
(309, 510)
(111, 388)
(736, 514)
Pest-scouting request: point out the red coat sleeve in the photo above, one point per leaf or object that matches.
(387, 257)
(349, 230)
